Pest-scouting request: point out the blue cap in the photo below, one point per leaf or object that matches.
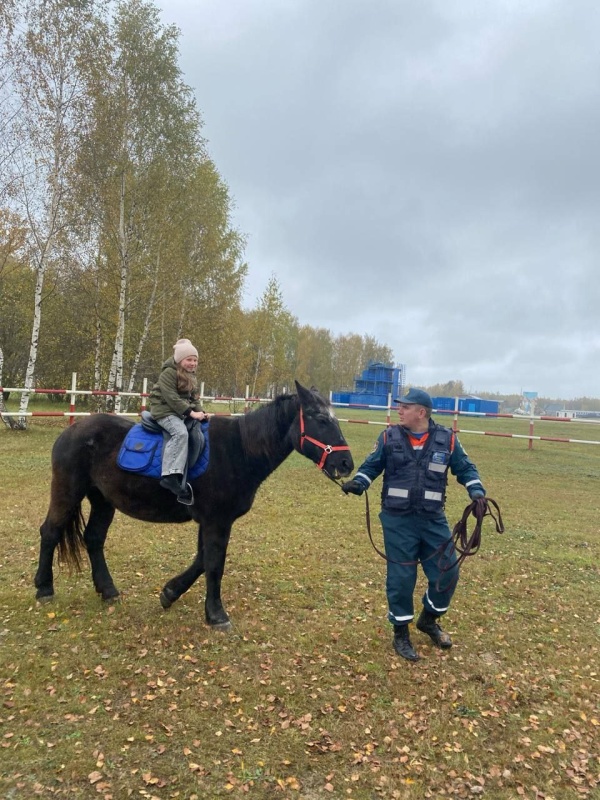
(416, 397)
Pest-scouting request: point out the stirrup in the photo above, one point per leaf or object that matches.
(186, 496)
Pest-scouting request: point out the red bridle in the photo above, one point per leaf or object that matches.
(326, 448)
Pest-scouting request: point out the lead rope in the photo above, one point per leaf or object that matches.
(468, 545)
(464, 544)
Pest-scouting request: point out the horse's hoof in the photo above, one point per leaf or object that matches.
(222, 627)
(166, 601)
(44, 598)
(112, 598)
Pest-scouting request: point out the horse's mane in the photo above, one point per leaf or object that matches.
(263, 430)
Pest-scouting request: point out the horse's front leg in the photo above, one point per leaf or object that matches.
(174, 588)
(216, 539)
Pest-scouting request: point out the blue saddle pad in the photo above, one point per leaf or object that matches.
(141, 452)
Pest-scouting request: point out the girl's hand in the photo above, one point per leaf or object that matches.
(201, 415)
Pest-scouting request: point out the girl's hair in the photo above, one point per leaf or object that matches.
(186, 381)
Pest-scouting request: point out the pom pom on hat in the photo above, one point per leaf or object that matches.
(182, 349)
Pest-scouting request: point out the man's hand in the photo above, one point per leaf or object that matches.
(481, 506)
(353, 487)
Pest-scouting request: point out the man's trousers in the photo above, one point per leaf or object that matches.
(413, 539)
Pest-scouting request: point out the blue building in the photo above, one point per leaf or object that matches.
(468, 403)
(377, 381)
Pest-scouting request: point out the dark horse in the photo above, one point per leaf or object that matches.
(243, 452)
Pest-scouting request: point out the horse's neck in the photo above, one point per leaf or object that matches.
(264, 435)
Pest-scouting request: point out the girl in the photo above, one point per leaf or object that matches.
(173, 399)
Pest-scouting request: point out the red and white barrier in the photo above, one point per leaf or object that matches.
(74, 392)
(249, 400)
(456, 413)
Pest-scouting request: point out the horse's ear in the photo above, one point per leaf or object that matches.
(304, 394)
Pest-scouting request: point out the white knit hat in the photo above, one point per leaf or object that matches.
(182, 349)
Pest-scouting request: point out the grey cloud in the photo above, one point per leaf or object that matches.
(431, 168)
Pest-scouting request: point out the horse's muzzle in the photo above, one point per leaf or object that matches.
(339, 465)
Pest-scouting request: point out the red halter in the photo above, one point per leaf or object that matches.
(327, 448)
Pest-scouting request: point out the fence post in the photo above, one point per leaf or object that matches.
(144, 393)
(73, 397)
(455, 421)
(202, 392)
(389, 409)
(530, 445)
(247, 404)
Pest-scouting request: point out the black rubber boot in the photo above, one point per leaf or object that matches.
(428, 623)
(402, 643)
(172, 482)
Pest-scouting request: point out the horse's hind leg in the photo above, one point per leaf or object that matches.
(62, 529)
(178, 585)
(50, 536)
(94, 536)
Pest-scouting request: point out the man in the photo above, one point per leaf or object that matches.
(415, 457)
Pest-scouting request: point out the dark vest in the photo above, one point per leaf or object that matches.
(415, 480)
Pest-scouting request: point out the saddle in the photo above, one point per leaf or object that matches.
(141, 451)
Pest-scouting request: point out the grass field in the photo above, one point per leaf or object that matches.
(306, 699)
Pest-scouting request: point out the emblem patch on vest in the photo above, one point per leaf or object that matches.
(439, 458)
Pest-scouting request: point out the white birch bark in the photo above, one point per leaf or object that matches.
(44, 233)
(146, 327)
(8, 421)
(115, 378)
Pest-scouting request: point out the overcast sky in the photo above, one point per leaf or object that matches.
(424, 172)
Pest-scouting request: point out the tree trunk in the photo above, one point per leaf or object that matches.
(115, 378)
(144, 336)
(10, 422)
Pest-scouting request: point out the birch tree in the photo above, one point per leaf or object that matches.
(14, 279)
(214, 275)
(47, 80)
(143, 140)
(375, 351)
(315, 357)
(270, 342)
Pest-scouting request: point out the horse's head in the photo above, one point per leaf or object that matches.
(321, 438)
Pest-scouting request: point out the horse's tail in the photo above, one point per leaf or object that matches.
(71, 545)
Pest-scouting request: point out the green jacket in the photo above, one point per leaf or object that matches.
(165, 399)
